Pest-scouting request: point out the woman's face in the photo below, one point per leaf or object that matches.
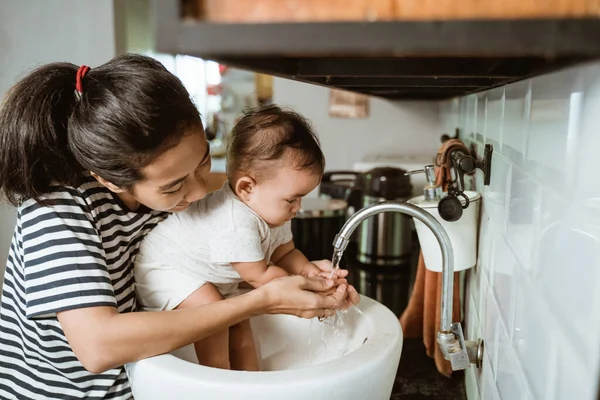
(177, 177)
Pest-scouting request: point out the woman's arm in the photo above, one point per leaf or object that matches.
(258, 273)
(102, 338)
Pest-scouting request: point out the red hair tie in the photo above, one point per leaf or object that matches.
(80, 74)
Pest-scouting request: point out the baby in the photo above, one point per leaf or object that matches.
(239, 233)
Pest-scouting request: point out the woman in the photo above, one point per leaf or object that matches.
(94, 160)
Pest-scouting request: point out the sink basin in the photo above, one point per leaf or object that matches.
(296, 363)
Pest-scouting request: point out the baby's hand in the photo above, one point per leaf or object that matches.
(310, 269)
(323, 269)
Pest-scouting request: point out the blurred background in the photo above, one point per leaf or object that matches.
(522, 76)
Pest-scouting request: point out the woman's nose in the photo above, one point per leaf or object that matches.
(197, 189)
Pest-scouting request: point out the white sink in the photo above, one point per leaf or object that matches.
(296, 364)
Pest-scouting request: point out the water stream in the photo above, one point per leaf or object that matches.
(330, 337)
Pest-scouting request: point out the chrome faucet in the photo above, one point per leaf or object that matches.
(459, 352)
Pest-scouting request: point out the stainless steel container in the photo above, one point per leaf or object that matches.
(385, 239)
(389, 285)
(316, 224)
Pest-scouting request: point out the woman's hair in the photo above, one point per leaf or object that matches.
(271, 133)
(129, 111)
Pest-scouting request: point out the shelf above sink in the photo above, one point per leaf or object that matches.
(426, 60)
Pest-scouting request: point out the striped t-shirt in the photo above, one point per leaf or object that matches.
(75, 253)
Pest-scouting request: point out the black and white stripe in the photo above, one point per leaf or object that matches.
(75, 253)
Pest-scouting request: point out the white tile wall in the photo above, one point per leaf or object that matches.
(535, 294)
(510, 379)
(504, 281)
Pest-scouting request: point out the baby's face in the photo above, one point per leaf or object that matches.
(278, 198)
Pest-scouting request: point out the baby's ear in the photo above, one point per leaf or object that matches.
(244, 187)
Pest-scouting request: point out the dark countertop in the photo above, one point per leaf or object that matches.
(417, 377)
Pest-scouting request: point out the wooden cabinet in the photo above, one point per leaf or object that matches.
(395, 49)
(269, 11)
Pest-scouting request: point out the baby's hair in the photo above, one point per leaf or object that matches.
(271, 133)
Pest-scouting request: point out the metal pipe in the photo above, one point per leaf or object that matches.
(343, 237)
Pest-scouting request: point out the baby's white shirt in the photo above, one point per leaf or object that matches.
(212, 233)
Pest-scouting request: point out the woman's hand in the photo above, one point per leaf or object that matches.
(323, 268)
(351, 297)
(307, 297)
(301, 296)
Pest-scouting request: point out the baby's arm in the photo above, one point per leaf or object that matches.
(258, 273)
(288, 257)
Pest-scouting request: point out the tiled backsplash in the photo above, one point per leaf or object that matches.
(535, 294)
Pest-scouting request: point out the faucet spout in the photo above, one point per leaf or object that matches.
(343, 237)
(460, 352)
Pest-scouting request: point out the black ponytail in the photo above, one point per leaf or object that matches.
(33, 133)
(131, 110)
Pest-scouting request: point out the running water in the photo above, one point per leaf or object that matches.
(335, 267)
(329, 339)
(335, 263)
(334, 335)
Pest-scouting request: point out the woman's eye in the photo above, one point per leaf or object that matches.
(291, 201)
(174, 191)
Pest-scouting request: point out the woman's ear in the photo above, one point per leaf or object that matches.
(244, 187)
(109, 185)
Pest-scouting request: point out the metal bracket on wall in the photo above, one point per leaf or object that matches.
(485, 164)
(466, 163)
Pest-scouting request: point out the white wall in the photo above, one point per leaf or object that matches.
(8, 215)
(392, 128)
(535, 295)
(35, 32)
